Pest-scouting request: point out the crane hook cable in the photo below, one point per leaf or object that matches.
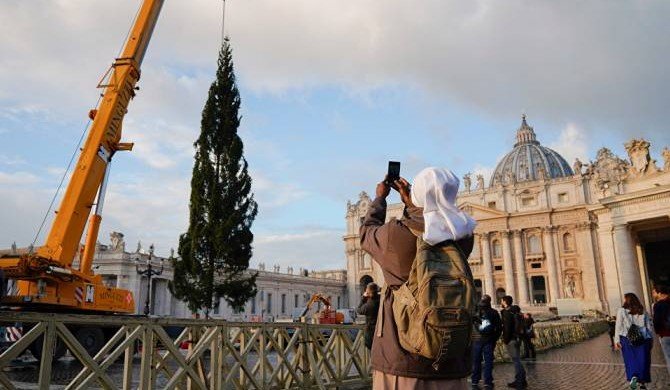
(74, 153)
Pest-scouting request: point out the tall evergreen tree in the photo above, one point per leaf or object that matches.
(214, 253)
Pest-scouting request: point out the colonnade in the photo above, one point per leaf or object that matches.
(514, 265)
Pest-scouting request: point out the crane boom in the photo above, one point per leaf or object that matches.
(46, 278)
(103, 141)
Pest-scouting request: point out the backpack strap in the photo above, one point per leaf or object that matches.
(380, 313)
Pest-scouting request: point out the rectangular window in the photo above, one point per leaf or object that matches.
(295, 300)
(268, 308)
(283, 303)
(563, 197)
(498, 267)
(338, 302)
(528, 201)
(492, 205)
(253, 305)
(535, 265)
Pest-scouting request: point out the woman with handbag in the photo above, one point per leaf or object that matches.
(633, 336)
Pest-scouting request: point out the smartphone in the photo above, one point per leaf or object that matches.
(393, 172)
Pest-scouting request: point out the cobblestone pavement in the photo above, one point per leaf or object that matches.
(587, 365)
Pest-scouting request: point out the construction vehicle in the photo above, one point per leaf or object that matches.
(45, 278)
(327, 315)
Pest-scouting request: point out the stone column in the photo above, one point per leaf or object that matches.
(548, 243)
(509, 265)
(629, 271)
(590, 282)
(488, 265)
(521, 278)
(611, 280)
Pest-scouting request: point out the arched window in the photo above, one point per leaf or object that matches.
(568, 242)
(496, 248)
(534, 244)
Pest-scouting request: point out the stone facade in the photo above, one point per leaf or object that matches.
(551, 233)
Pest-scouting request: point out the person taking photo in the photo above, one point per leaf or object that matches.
(430, 215)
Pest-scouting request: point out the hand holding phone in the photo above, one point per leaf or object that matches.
(393, 173)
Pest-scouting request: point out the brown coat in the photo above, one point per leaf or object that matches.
(393, 247)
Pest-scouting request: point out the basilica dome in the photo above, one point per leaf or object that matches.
(529, 160)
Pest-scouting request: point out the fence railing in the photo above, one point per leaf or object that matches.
(557, 334)
(149, 353)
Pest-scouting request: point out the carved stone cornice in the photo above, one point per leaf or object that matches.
(550, 229)
(517, 233)
(585, 226)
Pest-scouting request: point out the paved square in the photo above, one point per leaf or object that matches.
(588, 365)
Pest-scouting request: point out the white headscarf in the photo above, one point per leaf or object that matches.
(435, 189)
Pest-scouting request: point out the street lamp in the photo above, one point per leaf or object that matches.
(149, 272)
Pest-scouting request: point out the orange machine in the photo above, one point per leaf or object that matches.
(327, 315)
(46, 279)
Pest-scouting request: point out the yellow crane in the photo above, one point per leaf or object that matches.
(46, 279)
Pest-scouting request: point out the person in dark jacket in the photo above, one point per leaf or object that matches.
(510, 316)
(528, 336)
(369, 307)
(392, 245)
(661, 319)
(488, 328)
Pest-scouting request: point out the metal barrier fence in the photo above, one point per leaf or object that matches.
(217, 354)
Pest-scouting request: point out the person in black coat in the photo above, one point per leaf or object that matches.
(528, 336)
(488, 328)
(512, 321)
(369, 307)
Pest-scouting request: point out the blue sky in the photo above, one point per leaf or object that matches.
(330, 92)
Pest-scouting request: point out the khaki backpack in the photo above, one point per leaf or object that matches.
(433, 310)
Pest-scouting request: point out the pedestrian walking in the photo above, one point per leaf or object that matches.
(661, 318)
(430, 214)
(528, 336)
(611, 329)
(369, 307)
(512, 328)
(633, 336)
(488, 328)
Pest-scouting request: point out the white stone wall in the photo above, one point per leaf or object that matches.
(118, 267)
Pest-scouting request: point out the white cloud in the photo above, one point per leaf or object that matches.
(17, 178)
(22, 208)
(572, 143)
(495, 57)
(151, 207)
(485, 171)
(273, 194)
(311, 248)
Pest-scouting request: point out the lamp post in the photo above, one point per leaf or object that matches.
(149, 272)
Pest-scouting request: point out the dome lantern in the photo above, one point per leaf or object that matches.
(525, 134)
